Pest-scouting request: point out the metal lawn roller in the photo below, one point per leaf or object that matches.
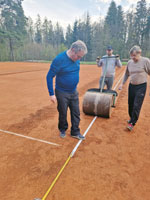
(99, 102)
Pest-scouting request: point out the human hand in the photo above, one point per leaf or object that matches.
(97, 59)
(53, 98)
(117, 56)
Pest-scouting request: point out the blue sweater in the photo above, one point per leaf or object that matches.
(66, 72)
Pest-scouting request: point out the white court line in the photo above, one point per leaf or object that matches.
(78, 144)
(30, 138)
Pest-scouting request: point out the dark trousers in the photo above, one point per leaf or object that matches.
(71, 101)
(136, 94)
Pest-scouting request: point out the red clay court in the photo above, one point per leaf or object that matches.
(111, 164)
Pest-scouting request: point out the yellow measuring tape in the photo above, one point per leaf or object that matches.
(54, 181)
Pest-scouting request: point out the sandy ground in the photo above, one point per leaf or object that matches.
(111, 164)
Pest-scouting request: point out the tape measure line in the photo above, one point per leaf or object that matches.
(53, 183)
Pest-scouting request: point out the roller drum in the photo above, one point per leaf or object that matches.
(98, 104)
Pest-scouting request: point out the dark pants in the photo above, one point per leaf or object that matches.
(65, 100)
(108, 82)
(136, 94)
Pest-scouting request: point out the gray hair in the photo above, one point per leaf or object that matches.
(136, 49)
(79, 46)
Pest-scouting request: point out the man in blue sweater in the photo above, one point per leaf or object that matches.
(66, 67)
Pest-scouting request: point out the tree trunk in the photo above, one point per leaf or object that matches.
(11, 50)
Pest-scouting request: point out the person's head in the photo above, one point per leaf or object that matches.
(135, 53)
(109, 50)
(77, 50)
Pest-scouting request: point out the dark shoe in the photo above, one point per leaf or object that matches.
(62, 134)
(78, 136)
(130, 126)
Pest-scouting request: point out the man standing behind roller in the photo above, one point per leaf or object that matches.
(111, 64)
(137, 68)
(66, 68)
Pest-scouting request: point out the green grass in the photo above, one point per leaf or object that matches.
(124, 63)
(82, 62)
(94, 63)
(87, 63)
(38, 61)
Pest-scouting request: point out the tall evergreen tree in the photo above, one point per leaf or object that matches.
(30, 29)
(68, 38)
(120, 31)
(120, 28)
(87, 37)
(140, 21)
(147, 30)
(97, 40)
(58, 35)
(51, 33)
(111, 19)
(38, 31)
(129, 28)
(80, 33)
(14, 23)
(45, 31)
(75, 31)
(146, 42)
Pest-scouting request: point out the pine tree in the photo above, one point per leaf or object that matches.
(14, 23)
(147, 30)
(38, 31)
(51, 33)
(97, 41)
(120, 31)
(68, 39)
(88, 35)
(30, 29)
(111, 19)
(140, 22)
(146, 42)
(129, 28)
(45, 31)
(120, 24)
(75, 31)
(58, 35)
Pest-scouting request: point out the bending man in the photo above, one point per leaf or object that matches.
(66, 68)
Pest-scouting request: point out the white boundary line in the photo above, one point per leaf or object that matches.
(118, 82)
(30, 138)
(77, 145)
(92, 122)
